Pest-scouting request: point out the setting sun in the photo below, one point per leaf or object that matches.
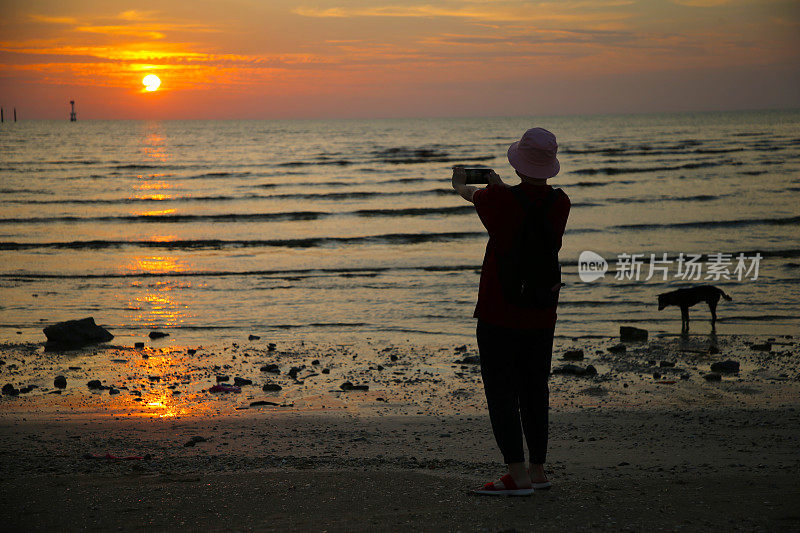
(151, 82)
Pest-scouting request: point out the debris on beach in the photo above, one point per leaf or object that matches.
(263, 402)
(713, 376)
(253, 337)
(194, 440)
(728, 366)
(158, 334)
(224, 387)
(239, 382)
(146, 457)
(271, 387)
(469, 360)
(60, 382)
(575, 370)
(138, 345)
(617, 348)
(75, 334)
(272, 368)
(349, 386)
(573, 355)
(631, 334)
(10, 390)
(762, 347)
(222, 378)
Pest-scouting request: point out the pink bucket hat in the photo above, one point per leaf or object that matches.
(535, 154)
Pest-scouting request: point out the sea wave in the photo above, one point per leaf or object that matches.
(216, 244)
(641, 170)
(307, 196)
(776, 221)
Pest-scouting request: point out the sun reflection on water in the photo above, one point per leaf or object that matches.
(154, 144)
(154, 197)
(157, 304)
(155, 213)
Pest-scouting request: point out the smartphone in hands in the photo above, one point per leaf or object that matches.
(477, 176)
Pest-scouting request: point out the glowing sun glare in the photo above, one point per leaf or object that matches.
(151, 82)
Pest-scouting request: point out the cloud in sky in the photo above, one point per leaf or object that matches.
(353, 58)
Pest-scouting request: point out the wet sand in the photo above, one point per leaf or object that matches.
(628, 450)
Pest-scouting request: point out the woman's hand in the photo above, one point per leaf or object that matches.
(459, 182)
(494, 179)
(459, 176)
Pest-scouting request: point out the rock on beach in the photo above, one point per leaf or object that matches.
(631, 334)
(75, 334)
(729, 366)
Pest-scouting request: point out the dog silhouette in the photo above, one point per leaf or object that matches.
(686, 298)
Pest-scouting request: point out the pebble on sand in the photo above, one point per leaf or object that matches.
(712, 376)
(60, 382)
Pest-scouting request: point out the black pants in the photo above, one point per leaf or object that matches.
(515, 365)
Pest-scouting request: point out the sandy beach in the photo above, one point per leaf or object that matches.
(641, 445)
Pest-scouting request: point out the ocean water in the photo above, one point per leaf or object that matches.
(336, 230)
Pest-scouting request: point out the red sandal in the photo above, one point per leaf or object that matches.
(509, 488)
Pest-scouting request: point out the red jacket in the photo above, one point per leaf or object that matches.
(502, 216)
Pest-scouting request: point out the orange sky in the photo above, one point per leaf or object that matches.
(346, 58)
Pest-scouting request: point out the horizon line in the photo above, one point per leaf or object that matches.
(424, 117)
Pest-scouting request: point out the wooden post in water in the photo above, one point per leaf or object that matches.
(1, 114)
(15, 114)
(72, 117)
